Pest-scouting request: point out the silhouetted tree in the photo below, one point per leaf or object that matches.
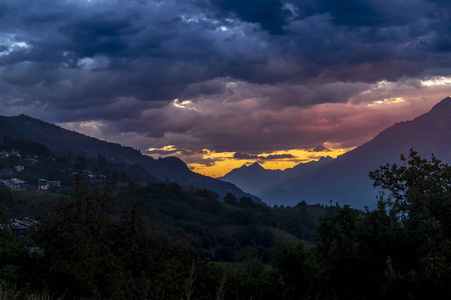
(402, 249)
(301, 204)
(87, 254)
(246, 202)
(231, 199)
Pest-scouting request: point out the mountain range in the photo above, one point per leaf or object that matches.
(345, 179)
(255, 179)
(57, 139)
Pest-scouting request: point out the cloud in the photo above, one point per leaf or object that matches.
(259, 124)
(239, 155)
(320, 148)
(269, 14)
(252, 78)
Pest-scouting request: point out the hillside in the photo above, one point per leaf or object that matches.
(191, 217)
(345, 180)
(60, 140)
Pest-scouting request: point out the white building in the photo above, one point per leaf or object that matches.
(17, 184)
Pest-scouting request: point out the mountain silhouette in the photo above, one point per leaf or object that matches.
(57, 139)
(345, 180)
(255, 179)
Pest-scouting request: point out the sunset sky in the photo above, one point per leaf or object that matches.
(222, 83)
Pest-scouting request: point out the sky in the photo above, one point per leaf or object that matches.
(222, 83)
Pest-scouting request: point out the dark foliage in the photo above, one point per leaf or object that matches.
(87, 254)
(400, 250)
(26, 147)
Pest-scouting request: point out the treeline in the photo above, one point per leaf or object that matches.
(400, 250)
(220, 231)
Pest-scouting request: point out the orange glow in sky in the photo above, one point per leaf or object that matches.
(225, 161)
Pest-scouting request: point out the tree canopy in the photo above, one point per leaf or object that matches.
(402, 249)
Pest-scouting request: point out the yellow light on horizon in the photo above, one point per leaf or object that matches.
(165, 148)
(228, 163)
(224, 162)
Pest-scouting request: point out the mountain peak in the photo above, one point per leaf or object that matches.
(440, 110)
(444, 103)
(255, 166)
(325, 158)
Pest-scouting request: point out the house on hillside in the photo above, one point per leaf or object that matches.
(15, 153)
(31, 160)
(19, 168)
(21, 226)
(45, 185)
(54, 183)
(17, 184)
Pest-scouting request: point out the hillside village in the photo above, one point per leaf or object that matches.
(11, 177)
(31, 166)
(34, 168)
(35, 180)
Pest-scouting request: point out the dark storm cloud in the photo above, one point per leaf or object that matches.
(159, 48)
(125, 62)
(150, 52)
(239, 155)
(270, 14)
(320, 148)
(161, 152)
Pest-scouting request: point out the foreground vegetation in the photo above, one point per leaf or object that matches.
(400, 250)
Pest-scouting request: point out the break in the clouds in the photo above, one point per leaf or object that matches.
(224, 75)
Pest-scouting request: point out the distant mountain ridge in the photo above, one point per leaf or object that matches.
(61, 140)
(345, 180)
(256, 179)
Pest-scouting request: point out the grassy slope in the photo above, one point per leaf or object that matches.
(33, 203)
